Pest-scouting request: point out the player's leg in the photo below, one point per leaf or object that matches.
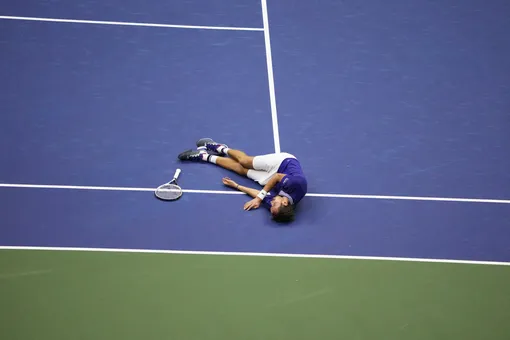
(259, 176)
(204, 156)
(261, 167)
(230, 164)
(268, 163)
(239, 156)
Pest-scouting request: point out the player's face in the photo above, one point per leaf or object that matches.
(276, 203)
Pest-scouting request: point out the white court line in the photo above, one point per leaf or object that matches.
(231, 192)
(80, 187)
(415, 198)
(122, 23)
(223, 253)
(270, 77)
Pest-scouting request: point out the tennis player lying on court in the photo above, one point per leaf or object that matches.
(280, 174)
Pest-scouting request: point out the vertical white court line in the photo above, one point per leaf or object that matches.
(269, 60)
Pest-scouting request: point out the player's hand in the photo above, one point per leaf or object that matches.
(228, 182)
(253, 204)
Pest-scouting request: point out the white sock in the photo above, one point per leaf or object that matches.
(209, 158)
(223, 150)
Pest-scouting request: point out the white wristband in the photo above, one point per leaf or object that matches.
(262, 194)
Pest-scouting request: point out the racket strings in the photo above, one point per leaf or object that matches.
(169, 192)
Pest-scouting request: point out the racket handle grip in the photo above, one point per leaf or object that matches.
(177, 173)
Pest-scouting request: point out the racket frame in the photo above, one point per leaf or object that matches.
(174, 182)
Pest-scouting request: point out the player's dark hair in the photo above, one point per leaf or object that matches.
(285, 214)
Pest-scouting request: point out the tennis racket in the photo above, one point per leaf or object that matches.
(170, 191)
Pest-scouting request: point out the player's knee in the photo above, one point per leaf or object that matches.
(246, 162)
(285, 214)
(241, 170)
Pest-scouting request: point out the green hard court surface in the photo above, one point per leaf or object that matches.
(51, 295)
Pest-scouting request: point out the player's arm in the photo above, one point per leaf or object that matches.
(272, 182)
(255, 202)
(249, 191)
